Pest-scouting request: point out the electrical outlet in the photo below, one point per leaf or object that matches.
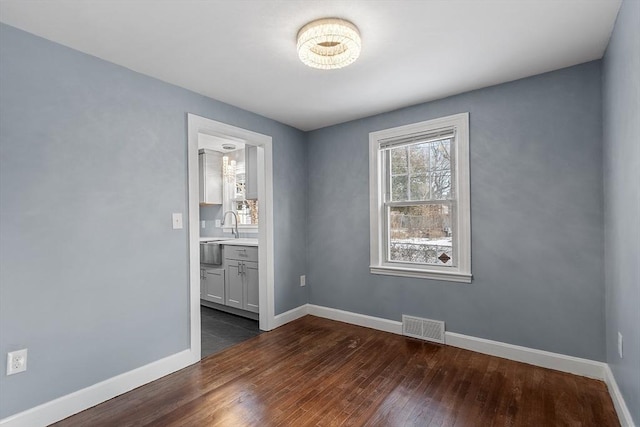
(620, 344)
(203, 224)
(303, 280)
(16, 361)
(217, 223)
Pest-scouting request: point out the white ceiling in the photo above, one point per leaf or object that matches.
(243, 52)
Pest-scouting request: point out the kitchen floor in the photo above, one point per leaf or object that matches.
(221, 330)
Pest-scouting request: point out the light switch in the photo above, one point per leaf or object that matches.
(177, 221)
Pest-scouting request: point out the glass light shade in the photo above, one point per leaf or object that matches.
(329, 43)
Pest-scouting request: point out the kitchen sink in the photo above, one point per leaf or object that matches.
(211, 253)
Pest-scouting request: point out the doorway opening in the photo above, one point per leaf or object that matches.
(231, 213)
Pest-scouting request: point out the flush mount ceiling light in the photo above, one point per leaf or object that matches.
(329, 43)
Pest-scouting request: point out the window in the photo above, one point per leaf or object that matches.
(420, 206)
(235, 191)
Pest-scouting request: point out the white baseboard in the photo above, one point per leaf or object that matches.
(65, 406)
(618, 401)
(290, 316)
(356, 319)
(559, 362)
(532, 356)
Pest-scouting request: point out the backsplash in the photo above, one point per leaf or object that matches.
(209, 214)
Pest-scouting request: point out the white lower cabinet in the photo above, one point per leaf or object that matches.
(251, 286)
(241, 282)
(212, 284)
(234, 294)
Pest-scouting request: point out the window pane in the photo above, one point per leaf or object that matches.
(440, 155)
(399, 161)
(247, 211)
(421, 172)
(419, 158)
(419, 188)
(399, 188)
(441, 170)
(440, 186)
(421, 234)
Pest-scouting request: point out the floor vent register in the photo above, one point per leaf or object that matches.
(424, 329)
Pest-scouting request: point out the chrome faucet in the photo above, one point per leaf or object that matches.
(235, 232)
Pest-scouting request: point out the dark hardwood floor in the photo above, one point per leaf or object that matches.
(317, 372)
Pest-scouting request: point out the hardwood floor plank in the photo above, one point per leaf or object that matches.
(318, 372)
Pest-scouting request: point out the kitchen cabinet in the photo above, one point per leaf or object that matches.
(234, 286)
(212, 284)
(210, 176)
(252, 289)
(241, 281)
(251, 172)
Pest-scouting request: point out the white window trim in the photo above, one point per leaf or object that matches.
(245, 228)
(378, 265)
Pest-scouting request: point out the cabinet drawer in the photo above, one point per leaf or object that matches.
(244, 253)
(205, 269)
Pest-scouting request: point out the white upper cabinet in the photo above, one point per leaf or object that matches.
(251, 172)
(210, 168)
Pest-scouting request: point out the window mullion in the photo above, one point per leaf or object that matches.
(429, 174)
(387, 178)
(409, 172)
(386, 174)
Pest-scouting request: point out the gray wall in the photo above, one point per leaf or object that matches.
(536, 217)
(621, 71)
(93, 280)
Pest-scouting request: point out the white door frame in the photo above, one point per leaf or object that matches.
(198, 124)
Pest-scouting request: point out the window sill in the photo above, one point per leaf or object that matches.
(242, 229)
(451, 276)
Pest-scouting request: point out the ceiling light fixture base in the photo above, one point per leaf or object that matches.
(329, 43)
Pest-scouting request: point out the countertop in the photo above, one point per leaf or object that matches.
(230, 242)
(240, 242)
